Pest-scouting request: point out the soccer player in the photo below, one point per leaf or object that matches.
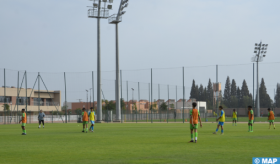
(23, 120)
(221, 119)
(251, 118)
(195, 115)
(234, 117)
(85, 120)
(271, 118)
(41, 117)
(91, 118)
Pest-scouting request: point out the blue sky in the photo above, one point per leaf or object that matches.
(56, 36)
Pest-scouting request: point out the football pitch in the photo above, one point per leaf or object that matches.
(137, 143)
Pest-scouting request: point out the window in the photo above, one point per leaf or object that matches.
(22, 101)
(2, 99)
(38, 101)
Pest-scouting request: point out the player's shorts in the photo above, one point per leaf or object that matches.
(271, 121)
(41, 121)
(92, 122)
(195, 126)
(234, 119)
(251, 121)
(23, 124)
(221, 123)
(85, 122)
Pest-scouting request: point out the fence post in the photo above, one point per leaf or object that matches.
(152, 94)
(39, 99)
(17, 97)
(146, 116)
(159, 102)
(237, 114)
(183, 95)
(4, 96)
(26, 98)
(138, 101)
(52, 116)
(65, 98)
(121, 99)
(168, 102)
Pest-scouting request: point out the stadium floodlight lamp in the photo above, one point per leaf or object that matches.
(123, 12)
(124, 6)
(124, 2)
(260, 52)
(110, 7)
(104, 0)
(110, 1)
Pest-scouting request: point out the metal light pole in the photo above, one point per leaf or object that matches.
(87, 99)
(260, 51)
(116, 19)
(97, 12)
(90, 97)
(132, 97)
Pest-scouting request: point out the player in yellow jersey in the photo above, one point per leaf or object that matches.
(91, 116)
(221, 119)
(271, 118)
(23, 120)
(234, 117)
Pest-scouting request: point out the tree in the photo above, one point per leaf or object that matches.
(78, 111)
(201, 96)
(227, 94)
(209, 95)
(247, 100)
(153, 106)
(123, 105)
(63, 108)
(265, 101)
(277, 96)
(194, 91)
(233, 88)
(244, 92)
(238, 96)
(6, 107)
(111, 105)
(204, 94)
(244, 89)
(234, 102)
(172, 106)
(163, 106)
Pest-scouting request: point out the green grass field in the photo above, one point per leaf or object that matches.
(136, 143)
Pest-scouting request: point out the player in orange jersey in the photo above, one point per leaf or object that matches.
(195, 116)
(85, 120)
(251, 118)
(271, 118)
(23, 120)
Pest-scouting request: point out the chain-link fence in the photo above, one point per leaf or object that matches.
(147, 95)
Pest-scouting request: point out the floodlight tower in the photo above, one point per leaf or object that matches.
(260, 51)
(98, 12)
(116, 19)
